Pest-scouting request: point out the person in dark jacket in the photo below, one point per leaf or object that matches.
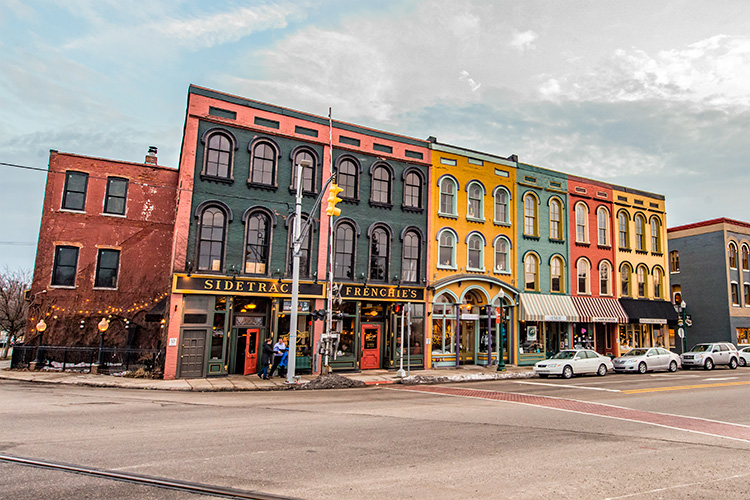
(265, 358)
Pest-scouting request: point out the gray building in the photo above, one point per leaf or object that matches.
(710, 271)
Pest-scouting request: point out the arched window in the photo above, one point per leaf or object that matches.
(674, 261)
(656, 235)
(263, 164)
(502, 214)
(308, 172)
(380, 192)
(641, 273)
(530, 226)
(602, 219)
(640, 234)
(475, 203)
(343, 249)
(211, 236)
(447, 249)
(257, 243)
(475, 257)
(583, 269)
(346, 178)
(745, 258)
(413, 190)
(531, 272)
(622, 220)
(605, 278)
(555, 219)
(582, 223)
(304, 249)
(625, 278)
(658, 276)
(379, 254)
(411, 249)
(218, 162)
(557, 275)
(502, 255)
(732, 255)
(448, 190)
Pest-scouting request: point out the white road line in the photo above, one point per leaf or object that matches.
(721, 378)
(571, 386)
(686, 485)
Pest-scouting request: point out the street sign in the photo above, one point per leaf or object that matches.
(681, 332)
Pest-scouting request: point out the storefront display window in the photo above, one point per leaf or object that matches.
(443, 326)
(304, 326)
(743, 335)
(219, 328)
(531, 338)
(583, 337)
(346, 328)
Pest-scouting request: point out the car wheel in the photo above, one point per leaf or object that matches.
(709, 364)
(567, 372)
(733, 363)
(543, 376)
(742, 361)
(673, 366)
(642, 367)
(602, 371)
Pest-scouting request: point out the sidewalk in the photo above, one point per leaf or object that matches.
(253, 383)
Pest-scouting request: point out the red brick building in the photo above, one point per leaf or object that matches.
(104, 251)
(592, 265)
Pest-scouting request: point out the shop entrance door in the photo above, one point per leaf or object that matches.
(601, 338)
(468, 342)
(251, 349)
(193, 353)
(370, 347)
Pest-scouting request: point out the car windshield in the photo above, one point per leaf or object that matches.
(636, 352)
(564, 355)
(701, 348)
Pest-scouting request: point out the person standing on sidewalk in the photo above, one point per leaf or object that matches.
(265, 358)
(278, 353)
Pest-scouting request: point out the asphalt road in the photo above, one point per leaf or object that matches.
(656, 436)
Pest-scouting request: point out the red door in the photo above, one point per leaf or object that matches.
(251, 351)
(370, 347)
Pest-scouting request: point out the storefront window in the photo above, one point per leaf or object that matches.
(345, 326)
(304, 328)
(743, 335)
(443, 326)
(531, 338)
(219, 327)
(583, 337)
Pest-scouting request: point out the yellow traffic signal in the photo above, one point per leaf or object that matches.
(333, 198)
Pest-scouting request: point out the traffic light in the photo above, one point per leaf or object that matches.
(333, 198)
(319, 314)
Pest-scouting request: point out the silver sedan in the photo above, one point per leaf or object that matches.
(641, 360)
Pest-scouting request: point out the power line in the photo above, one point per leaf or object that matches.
(17, 243)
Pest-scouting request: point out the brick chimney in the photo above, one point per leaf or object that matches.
(151, 156)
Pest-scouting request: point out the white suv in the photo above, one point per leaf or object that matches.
(711, 354)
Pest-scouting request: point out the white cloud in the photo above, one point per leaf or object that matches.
(713, 72)
(465, 77)
(524, 40)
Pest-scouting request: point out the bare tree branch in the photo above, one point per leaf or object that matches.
(13, 307)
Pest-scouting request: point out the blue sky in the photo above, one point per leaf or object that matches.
(650, 95)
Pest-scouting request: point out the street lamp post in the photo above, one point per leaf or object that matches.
(500, 331)
(682, 323)
(102, 326)
(40, 327)
(296, 246)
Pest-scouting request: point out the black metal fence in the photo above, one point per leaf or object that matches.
(113, 360)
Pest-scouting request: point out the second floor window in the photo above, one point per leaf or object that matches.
(501, 255)
(605, 272)
(475, 250)
(556, 274)
(447, 249)
(343, 250)
(583, 267)
(641, 274)
(211, 240)
(74, 196)
(257, 244)
(658, 283)
(625, 273)
(531, 269)
(411, 249)
(107, 267)
(117, 195)
(65, 266)
(304, 256)
(674, 261)
(379, 255)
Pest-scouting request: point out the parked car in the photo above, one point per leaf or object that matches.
(744, 353)
(710, 354)
(574, 362)
(646, 359)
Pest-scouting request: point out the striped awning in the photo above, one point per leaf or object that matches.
(550, 308)
(599, 310)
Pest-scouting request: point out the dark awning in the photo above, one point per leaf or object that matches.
(654, 312)
(156, 313)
